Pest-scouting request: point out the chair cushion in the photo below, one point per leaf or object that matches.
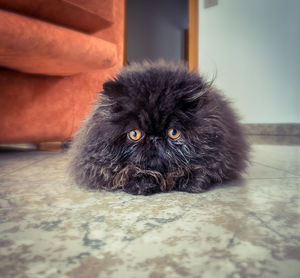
(89, 16)
(33, 46)
(103, 8)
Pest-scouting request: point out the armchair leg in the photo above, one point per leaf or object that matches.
(50, 146)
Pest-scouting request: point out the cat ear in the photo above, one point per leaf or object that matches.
(191, 99)
(113, 88)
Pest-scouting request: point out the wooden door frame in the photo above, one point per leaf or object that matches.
(125, 35)
(193, 30)
(193, 34)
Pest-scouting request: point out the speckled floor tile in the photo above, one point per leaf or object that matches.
(249, 228)
(257, 170)
(285, 158)
(13, 161)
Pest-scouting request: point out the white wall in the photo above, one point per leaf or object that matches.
(255, 47)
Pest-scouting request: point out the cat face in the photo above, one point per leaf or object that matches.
(155, 115)
(158, 127)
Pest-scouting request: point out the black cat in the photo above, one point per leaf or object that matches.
(158, 127)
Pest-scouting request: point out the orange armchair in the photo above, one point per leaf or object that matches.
(54, 57)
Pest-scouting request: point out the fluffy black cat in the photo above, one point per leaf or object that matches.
(155, 128)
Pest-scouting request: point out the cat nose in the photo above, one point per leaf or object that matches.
(154, 138)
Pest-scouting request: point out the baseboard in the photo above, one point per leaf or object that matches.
(273, 129)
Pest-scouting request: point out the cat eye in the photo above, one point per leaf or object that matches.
(135, 135)
(174, 133)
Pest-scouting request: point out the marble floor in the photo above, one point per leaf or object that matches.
(249, 228)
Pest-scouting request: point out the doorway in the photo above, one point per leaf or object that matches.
(162, 29)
